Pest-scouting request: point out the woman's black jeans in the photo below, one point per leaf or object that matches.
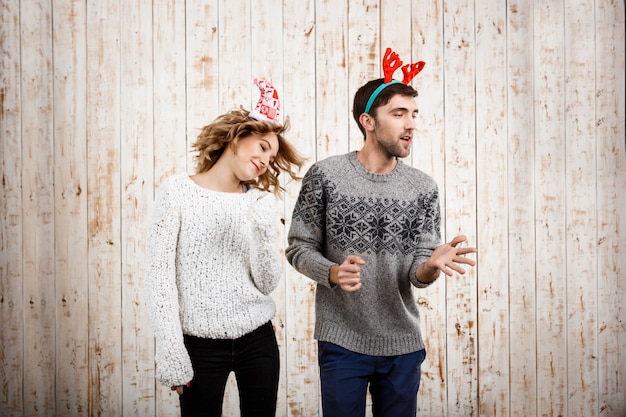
(254, 360)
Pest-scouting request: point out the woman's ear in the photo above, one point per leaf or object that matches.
(367, 122)
(232, 145)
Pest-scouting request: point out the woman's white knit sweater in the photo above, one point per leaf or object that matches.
(212, 261)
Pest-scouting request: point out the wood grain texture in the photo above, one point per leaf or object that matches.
(202, 71)
(550, 209)
(521, 124)
(169, 89)
(38, 209)
(12, 348)
(521, 216)
(492, 209)
(581, 239)
(70, 207)
(459, 192)
(234, 42)
(104, 211)
(611, 200)
(331, 55)
(136, 165)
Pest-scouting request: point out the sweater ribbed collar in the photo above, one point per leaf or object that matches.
(372, 176)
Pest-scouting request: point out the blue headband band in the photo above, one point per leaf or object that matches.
(376, 93)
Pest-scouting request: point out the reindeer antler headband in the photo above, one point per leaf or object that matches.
(391, 62)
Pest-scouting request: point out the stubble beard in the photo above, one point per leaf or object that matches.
(392, 149)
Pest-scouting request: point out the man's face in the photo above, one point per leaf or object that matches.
(394, 126)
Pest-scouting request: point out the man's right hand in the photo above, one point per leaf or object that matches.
(347, 275)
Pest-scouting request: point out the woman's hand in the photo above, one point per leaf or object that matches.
(178, 389)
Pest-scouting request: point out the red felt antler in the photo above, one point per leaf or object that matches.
(391, 62)
(411, 70)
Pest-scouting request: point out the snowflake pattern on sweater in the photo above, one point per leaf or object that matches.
(392, 221)
(371, 224)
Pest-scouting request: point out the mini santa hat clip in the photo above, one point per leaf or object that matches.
(268, 107)
(391, 62)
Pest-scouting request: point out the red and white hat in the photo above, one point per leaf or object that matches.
(268, 107)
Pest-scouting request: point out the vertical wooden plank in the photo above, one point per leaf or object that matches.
(364, 59)
(333, 104)
(203, 103)
(136, 129)
(395, 31)
(428, 155)
(266, 61)
(11, 215)
(492, 207)
(580, 177)
(265, 46)
(521, 205)
(234, 54)
(550, 212)
(170, 146)
(459, 192)
(38, 209)
(302, 375)
(70, 236)
(610, 114)
(169, 135)
(103, 201)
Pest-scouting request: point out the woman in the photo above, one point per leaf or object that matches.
(213, 261)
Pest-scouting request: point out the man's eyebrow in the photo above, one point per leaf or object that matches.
(404, 109)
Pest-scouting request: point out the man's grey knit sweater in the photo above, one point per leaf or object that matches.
(392, 222)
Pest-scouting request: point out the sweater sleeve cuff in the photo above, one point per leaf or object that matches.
(321, 272)
(174, 368)
(416, 283)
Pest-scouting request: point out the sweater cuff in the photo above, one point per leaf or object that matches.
(173, 366)
(416, 283)
(321, 272)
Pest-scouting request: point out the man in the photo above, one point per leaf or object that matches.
(366, 227)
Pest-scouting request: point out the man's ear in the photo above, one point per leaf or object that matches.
(367, 122)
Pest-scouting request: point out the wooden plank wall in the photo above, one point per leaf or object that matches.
(522, 124)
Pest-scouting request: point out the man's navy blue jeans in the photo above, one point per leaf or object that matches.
(393, 382)
(255, 361)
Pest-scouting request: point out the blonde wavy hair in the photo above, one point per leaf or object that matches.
(237, 124)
